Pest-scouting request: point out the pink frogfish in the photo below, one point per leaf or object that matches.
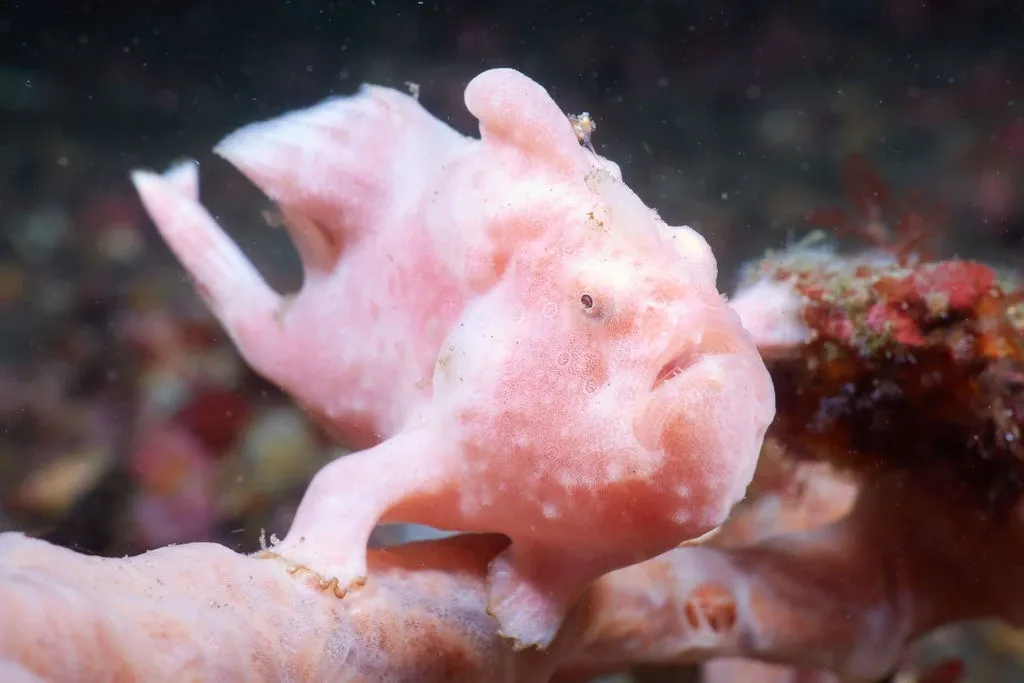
(510, 338)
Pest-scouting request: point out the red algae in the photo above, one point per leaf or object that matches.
(912, 363)
(900, 225)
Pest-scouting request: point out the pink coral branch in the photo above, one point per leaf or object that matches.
(846, 598)
(203, 612)
(815, 599)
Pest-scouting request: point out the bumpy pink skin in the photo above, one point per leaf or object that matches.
(520, 344)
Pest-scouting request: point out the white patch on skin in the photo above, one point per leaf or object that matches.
(716, 379)
(600, 406)
(610, 275)
(567, 480)
(614, 470)
(683, 515)
(549, 510)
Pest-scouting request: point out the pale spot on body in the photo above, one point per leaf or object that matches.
(716, 378)
(614, 470)
(683, 515)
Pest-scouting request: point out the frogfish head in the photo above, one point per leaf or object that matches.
(594, 332)
(643, 299)
(601, 341)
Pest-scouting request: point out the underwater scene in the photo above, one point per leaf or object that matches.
(583, 342)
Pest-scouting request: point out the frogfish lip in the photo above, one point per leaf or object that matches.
(674, 367)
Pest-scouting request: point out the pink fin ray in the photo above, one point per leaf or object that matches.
(224, 277)
(337, 167)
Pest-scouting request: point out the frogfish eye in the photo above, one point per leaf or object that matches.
(587, 301)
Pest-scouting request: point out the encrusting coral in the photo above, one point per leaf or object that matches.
(855, 541)
(906, 372)
(888, 338)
